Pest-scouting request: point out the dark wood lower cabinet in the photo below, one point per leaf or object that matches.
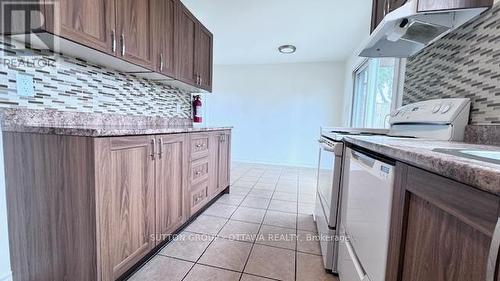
(171, 184)
(51, 210)
(209, 168)
(224, 161)
(83, 208)
(125, 200)
(441, 230)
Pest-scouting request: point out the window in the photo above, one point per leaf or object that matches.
(375, 87)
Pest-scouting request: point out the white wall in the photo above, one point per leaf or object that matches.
(276, 110)
(5, 273)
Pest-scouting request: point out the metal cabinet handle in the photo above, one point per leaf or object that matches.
(198, 173)
(113, 41)
(122, 38)
(491, 263)
(153, 145)
(198, 145)
(161, 62)
(160, 148)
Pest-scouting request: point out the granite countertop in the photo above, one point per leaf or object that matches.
(89, 124)
(108, 130)
(419, 153)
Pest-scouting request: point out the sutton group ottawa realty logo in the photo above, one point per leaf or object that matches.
(24, 26)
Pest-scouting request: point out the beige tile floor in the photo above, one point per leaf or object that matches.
(263, 230)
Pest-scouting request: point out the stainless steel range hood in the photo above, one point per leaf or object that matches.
(405, 31)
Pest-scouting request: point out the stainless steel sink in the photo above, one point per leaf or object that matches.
(481, 155)
(495, 155)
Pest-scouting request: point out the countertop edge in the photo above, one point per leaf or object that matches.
(107, 132)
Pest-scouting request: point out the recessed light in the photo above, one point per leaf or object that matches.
(287, 49)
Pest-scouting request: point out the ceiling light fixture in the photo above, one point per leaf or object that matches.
(287, 49)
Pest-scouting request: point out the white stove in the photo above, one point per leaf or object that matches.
(443, 119)
(329, 180)
(338, 134)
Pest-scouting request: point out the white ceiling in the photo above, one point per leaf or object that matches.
(250, 31)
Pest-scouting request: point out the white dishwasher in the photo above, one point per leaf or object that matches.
(366, 211)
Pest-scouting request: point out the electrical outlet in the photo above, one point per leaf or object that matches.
(25, 86)
(178, 108)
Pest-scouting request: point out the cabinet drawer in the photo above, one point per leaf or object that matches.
(199, 146)
(199, 170)
(198, 197)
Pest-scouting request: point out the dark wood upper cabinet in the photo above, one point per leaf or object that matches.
(195, 49)
(379, 10)
(164, 36)
(437, 222)
(204, 45)
(134, 30)
(394, 4)
(89, 22)
(186, 52)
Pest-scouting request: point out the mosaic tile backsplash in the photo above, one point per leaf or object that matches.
(465, 63)
(68, 84)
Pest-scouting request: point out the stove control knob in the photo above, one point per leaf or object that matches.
(436, 108)
(445, 109)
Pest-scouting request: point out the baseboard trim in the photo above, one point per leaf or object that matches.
(158, 248)
(6, 276)
(275, 164)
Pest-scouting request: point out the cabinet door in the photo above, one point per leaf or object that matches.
(204, 61)
(126, 184)
(224, 160)
(379, 10)
(171, 184)
(186, 68)
(437, 222)
(394, 4)
(134, 30)
(164, 35)
(88, 22)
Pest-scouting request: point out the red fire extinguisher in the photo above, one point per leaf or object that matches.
(197, 109)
